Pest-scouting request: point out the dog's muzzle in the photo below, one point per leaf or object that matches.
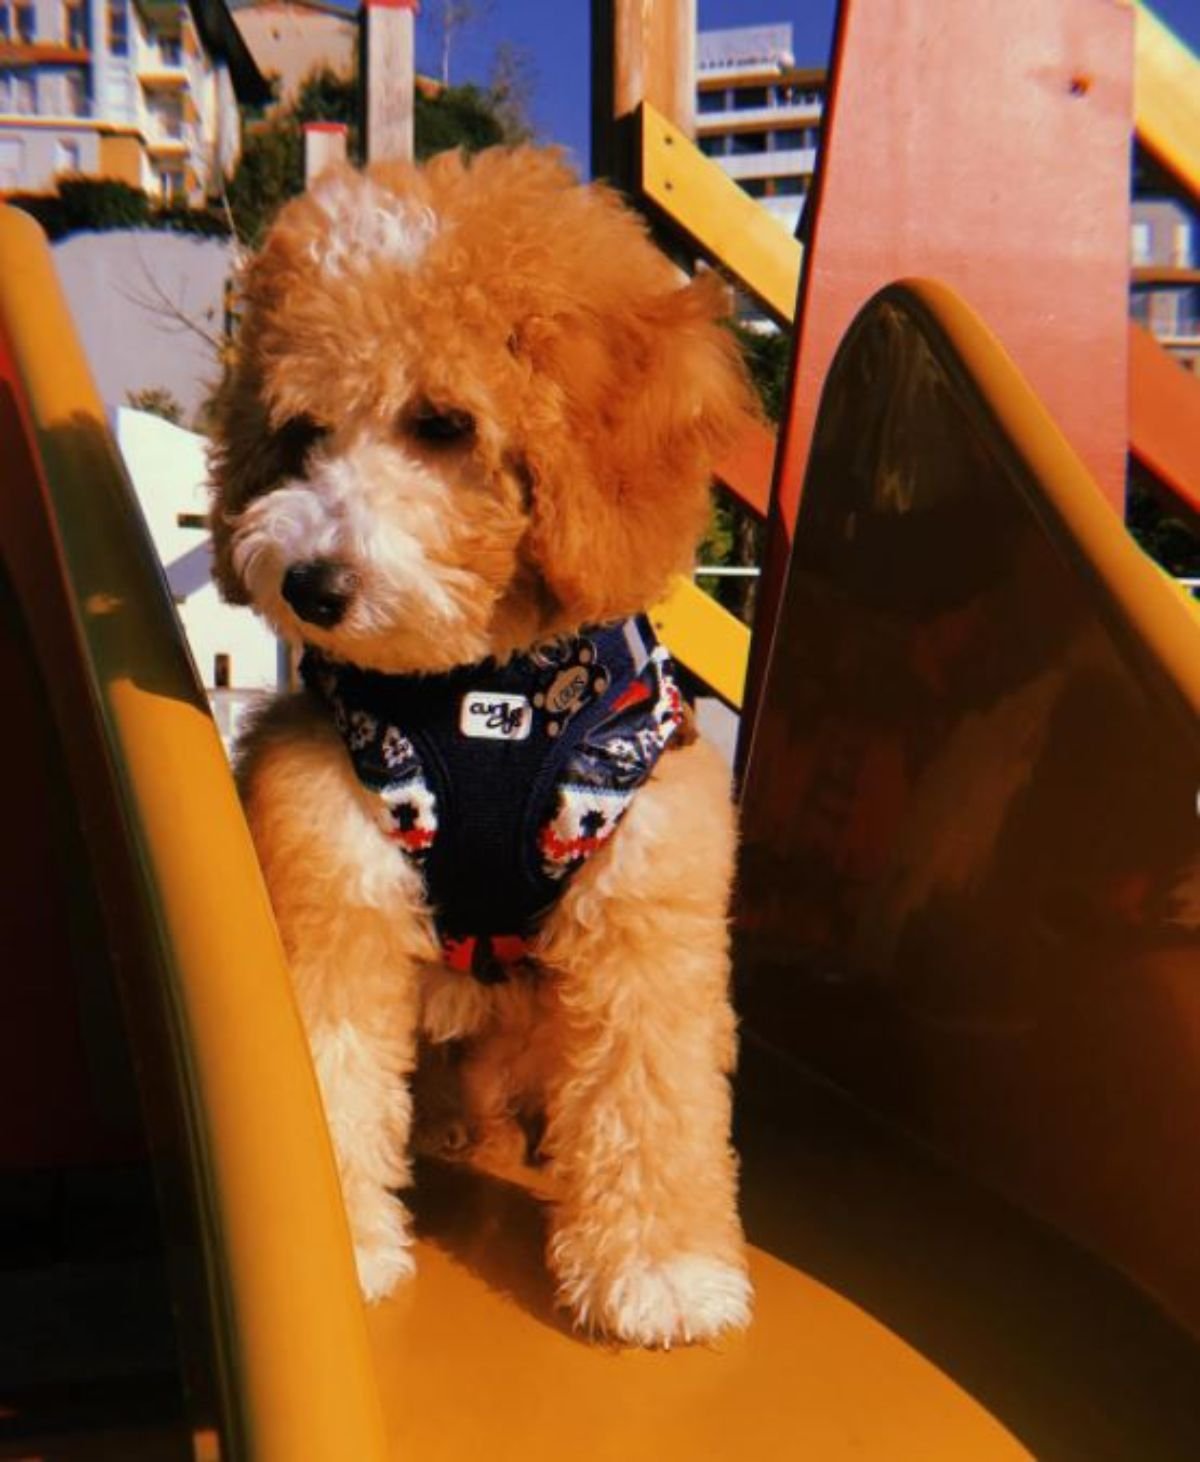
(319, 591)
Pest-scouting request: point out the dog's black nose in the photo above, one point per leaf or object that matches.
(319, 591)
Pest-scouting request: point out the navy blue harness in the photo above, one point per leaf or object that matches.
(500, 781)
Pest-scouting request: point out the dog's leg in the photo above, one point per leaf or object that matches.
(350, 912)
(647, 1245)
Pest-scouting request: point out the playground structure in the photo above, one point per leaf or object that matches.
(970, 892)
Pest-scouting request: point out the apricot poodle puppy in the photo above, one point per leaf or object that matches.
(467, 440)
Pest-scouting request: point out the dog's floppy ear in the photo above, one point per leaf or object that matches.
(240, 466)
(652, 393)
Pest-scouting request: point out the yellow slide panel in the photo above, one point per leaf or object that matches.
(295, 1372)
(1166, 99)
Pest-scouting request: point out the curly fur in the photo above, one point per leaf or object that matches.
(598, 388)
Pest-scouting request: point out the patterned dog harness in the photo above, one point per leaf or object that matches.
(500, 781)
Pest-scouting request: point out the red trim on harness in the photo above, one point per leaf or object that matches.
(637, 692)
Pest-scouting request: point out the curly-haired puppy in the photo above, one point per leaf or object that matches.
(467, 440)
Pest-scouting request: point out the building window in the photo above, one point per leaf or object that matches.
(25, 96)
(791, 187)
(77, 100)
(1181, 245)
(169, 112)
(1142, 242)
(745, 97)
(172, 54)
(712, 101)
(755, 187)
(118, 27)
(172, 184)
(75, 26)
(26, 18)
(66, 156)
(744, 142)
(713, 146)
(222, 670)
(789, 138)
(5, 22)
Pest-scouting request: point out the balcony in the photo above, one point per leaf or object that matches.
(769, 164)
(754, 117)
(160, 143)
(16, 54)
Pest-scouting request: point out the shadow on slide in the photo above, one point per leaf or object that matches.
(971, 872)
(969, 665)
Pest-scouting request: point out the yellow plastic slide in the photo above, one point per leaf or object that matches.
(903, 1312)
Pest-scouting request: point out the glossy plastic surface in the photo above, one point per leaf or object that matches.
(184, 900)
(971, 882)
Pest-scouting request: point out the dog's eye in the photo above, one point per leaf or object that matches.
(295, 439)
(442, 428)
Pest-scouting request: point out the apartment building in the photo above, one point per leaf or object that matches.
(759, 114)
(145, 91)
(1165, 274)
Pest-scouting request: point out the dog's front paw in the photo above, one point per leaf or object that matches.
(381, 1267)
(382, 1252)
(688, 1298)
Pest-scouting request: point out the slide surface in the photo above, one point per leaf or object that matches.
(971, 882)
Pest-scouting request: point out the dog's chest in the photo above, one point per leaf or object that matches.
(500, 781)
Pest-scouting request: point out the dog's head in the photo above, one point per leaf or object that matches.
(472, 407)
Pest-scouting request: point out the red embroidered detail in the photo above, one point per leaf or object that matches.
(476, 954)
(637, 692)
(567, 850)
(412, 839)
(459, 953)
(510, 949)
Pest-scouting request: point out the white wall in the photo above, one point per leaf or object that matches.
(169, 473)
(116, 284)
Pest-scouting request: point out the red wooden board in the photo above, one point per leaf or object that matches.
(986, 146)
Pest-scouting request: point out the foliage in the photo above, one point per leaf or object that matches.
(735, 536)
(1167, 539)
(156, 401)
(269, 172)
(511, 88)
(271, 169)
(767, 354)
(82, 204)
(457, 116)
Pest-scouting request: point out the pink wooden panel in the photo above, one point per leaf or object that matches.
(985, 145)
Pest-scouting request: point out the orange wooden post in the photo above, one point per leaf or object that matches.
(640, 52)
(986, 146)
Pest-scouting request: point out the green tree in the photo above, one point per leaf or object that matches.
(156, 401)
(735, 536)
(271, 169)
(1168, 540)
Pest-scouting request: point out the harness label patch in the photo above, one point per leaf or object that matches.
(492, 716)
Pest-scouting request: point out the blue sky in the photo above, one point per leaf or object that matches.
(556, 34)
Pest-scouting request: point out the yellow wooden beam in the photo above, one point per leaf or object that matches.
(705, 639)
(1166, 99)
(726, 225)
